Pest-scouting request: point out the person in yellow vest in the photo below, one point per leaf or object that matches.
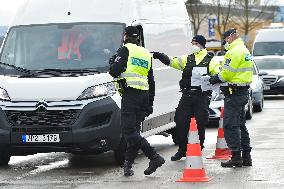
(237, 71)
(132, 69)
(194, 101)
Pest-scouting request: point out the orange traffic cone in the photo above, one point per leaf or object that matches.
(194, 171)
(222, 151)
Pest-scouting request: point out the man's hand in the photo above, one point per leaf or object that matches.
(112, 59)
(162, 57)
(214, 79)
(149, 111)
(157, 55)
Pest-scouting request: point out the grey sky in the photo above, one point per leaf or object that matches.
(7, 10)
(9, 7)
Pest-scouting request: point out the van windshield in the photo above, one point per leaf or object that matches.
(270, 64)
(62, 46)
(268, 48)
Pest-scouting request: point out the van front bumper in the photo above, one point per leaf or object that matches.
(93, 129)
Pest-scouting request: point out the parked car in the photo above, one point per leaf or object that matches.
(217, 101)
(271, 69)
(257, 87)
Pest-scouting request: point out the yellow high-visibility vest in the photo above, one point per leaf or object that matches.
(138, 65)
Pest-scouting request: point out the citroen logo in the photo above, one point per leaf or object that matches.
(41, 105)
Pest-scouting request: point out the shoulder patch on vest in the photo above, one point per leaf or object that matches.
(227, 62)
(248, 57)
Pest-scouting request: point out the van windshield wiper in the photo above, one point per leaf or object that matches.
(20, 69)
(72, 71)
(83, 70)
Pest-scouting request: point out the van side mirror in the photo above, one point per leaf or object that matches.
(262, 73)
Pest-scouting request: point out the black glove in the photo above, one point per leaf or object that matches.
(149, 111)
(162, 57)
(112, 59)
(214, 79)
(157, 55)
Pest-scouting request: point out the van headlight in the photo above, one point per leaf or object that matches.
(106, 89)
(4, 95)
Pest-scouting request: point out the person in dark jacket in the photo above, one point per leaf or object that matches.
(132, 69)
(194, 102)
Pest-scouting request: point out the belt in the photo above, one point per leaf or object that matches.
(196, 92)
(233, 89)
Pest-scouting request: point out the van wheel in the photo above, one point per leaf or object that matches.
(4, 158)
(119, 152)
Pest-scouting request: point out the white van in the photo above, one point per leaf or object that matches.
(269, 42)
(55, 90)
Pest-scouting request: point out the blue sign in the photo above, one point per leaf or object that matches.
(211, 27)
(279, 17)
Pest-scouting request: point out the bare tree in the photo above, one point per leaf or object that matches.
(198, 13)
(223, 12)
(253, 15)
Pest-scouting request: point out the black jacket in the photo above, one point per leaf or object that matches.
(185, 82)
(119, 65)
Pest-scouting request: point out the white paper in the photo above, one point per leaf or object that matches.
(195, 81)
(206, 86)
(197, 73)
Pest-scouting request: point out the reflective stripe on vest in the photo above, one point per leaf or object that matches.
(238, 69)
(124, 75)
(134, 83)
(240, 84)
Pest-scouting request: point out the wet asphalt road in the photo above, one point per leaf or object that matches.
(60, 170)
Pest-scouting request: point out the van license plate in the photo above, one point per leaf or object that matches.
(266, 87)
(41, 138)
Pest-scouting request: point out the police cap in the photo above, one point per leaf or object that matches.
(199, 39)
(131, 31)
(229, 32)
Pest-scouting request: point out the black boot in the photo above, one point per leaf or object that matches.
(128, 169)
(180, 154)
(236, 160)
(247, 161)
(155, 162)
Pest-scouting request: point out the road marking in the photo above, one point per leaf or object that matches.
(162, 68)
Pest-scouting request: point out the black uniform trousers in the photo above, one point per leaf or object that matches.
(191, 106)
(133, 106)
(235, 130)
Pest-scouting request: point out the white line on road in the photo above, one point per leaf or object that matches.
(162, 68)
